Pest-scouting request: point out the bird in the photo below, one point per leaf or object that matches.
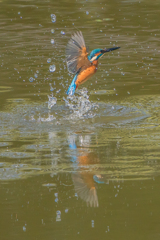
(79, 62)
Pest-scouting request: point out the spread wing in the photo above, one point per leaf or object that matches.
(76, 53)
(86, 192)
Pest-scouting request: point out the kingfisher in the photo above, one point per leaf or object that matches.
(79, 62)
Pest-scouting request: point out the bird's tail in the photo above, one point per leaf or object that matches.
(72, 88)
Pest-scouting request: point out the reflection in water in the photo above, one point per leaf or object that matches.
(84, 180)
(85, 188)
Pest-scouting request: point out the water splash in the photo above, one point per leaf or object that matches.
(51, 101)
(80, 105)
(50, 118)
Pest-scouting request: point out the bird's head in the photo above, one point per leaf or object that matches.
(97, 53)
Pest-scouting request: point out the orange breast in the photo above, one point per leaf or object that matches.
(86, 74)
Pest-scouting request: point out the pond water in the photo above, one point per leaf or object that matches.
(85, 166)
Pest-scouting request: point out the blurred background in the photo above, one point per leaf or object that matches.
(87, 166)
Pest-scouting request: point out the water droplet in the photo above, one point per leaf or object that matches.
(51, 88)
(56, 194)
(62, 32)
(52, 68)
(24, 228)
(36, 75)
(58, 216)
(37, 71)
(52, 31)
(52, 41)
(31, 79)
(53, 18)
(92, 223)
(49, 60)
(87, 12)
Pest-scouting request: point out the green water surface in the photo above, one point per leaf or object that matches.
(86, 167)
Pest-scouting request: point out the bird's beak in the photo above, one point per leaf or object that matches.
(109, 49)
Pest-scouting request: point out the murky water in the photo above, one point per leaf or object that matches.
(86, 166)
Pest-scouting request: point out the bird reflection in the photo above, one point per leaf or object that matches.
(83, 179)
